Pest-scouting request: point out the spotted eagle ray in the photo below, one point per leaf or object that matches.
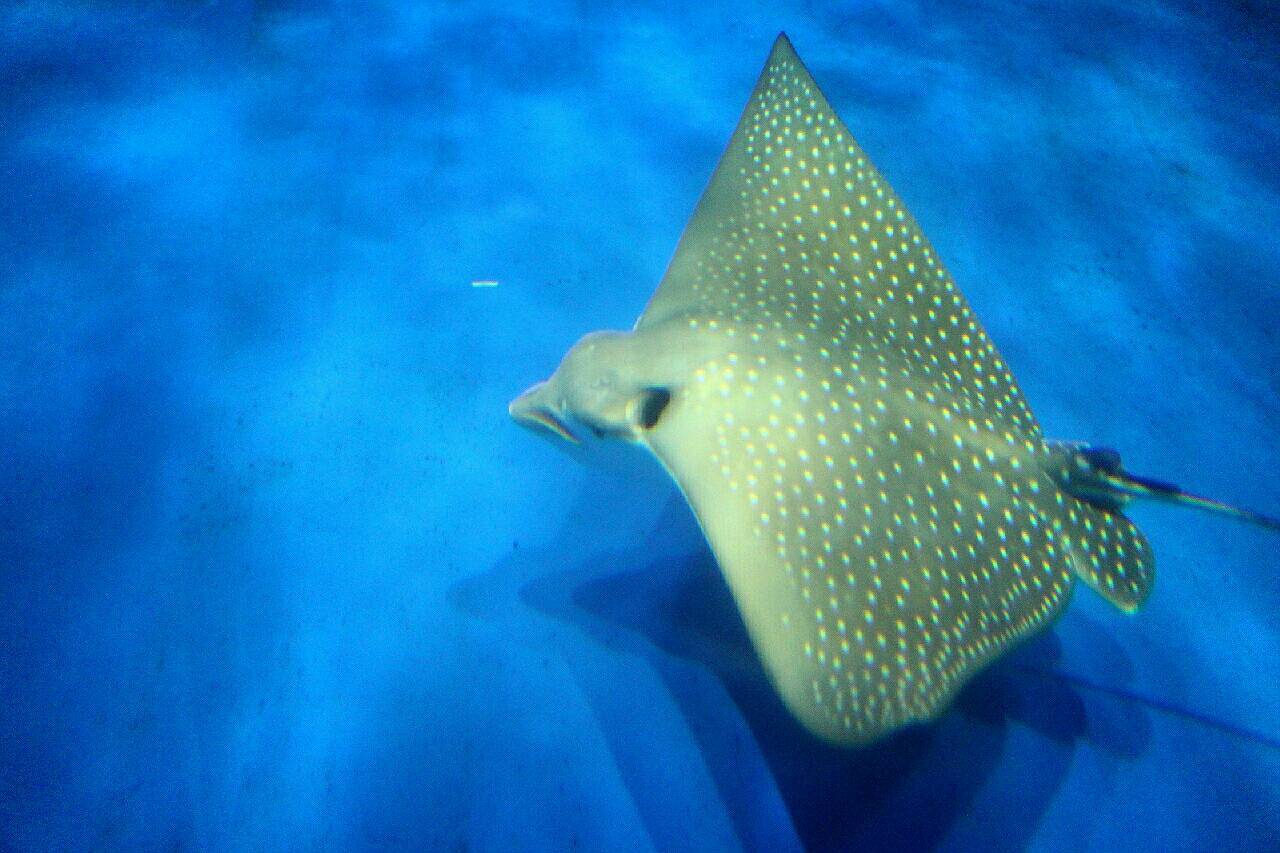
(879, 496)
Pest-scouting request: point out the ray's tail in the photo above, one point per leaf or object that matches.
(1095, 474)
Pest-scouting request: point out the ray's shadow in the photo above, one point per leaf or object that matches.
(1003, 750)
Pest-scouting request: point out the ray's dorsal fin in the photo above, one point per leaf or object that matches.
(797, 226)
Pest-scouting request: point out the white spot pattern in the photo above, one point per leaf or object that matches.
(865, 433)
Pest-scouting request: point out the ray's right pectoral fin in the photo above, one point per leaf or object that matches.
(1109, 553)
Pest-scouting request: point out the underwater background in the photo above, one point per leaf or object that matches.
(277, 571)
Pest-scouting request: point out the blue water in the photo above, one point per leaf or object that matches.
(278, 573)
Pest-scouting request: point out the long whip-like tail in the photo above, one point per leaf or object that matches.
(1095, 474)
(1145, 487)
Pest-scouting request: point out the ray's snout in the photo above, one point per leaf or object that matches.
(537, 410)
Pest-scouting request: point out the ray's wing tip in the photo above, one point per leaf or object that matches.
(1131, 606)
(782, 46)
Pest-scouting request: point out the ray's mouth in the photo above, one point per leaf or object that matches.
(530, 410)
(540, 419)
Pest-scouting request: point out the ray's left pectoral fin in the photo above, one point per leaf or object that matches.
(856, 557)
(692, 440)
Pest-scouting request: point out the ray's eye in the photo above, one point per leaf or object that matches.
(652, 404)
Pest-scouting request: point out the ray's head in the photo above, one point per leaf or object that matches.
(597, 391)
